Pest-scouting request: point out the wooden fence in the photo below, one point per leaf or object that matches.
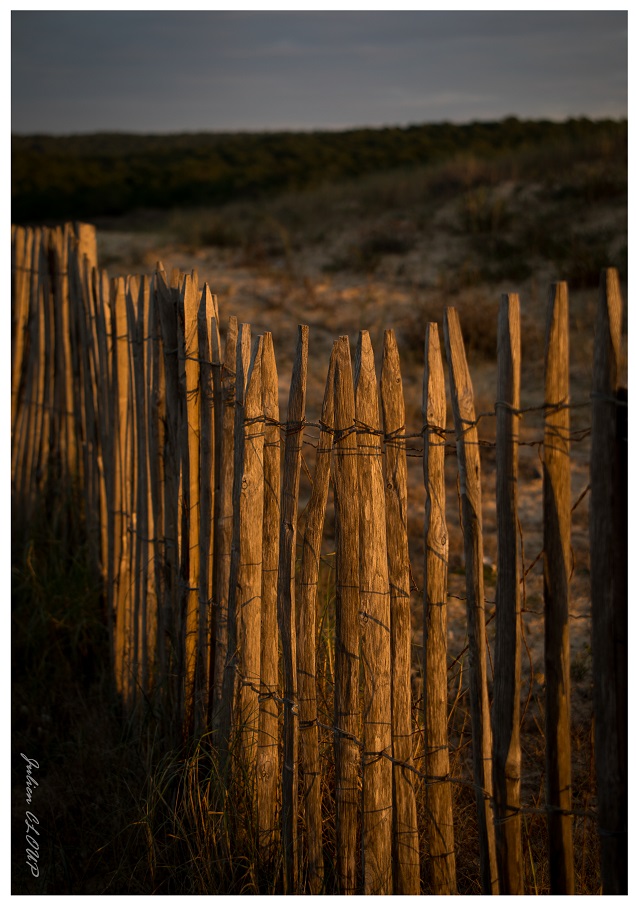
(191, 497)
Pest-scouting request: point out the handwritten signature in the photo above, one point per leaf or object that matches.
(31, 820)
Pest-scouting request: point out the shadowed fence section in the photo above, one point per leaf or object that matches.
(134, 392)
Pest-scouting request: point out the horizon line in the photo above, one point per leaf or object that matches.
(330, 129)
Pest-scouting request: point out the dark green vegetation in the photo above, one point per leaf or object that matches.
(111, 174)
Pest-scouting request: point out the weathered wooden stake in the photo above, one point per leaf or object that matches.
(307, 688)
(136, 297)
(406, 861)
(172, 466)
(267, 763)
(216, 354)
(470, 489)
(439, 799)
(124, 490)
(250, 568)
(190, 464)
(375, 628)
(347, 664)
(228, 709)
(156, 472)
(223, 519)
(287, 606)
(556, 589)
(507, 679)
(205, 312)
(608, 546)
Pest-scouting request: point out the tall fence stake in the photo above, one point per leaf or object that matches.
(307, 684)
(346, 702)
(267, 765)
(507, 679)
(406, 857)
(556, 589)
(287, 606)
(223, 519)
(608, 530)
(439, 801)
(470, 487)
(228, 709)
(375, 628)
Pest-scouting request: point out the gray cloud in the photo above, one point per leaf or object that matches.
(158, 72)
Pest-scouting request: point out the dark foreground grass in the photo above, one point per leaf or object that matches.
(121, 812)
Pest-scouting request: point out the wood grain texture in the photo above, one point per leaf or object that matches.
(216, 355)
(107, 436)
(223, 523)
(307, 596)
(439, 803)
(205, 311)
(608, 528)
(469, 465)
(86, 235)
(190, 466)
(156, 473)
(406, 861)
(557, 501)
(139, 513)
(172, 467)
(375, 628)
(507, 678)
(229, 699)
(250, 567)
(268, 769)
(123, 490)
(64, 372)
(85, 316)
(287, 606)
(347, 662)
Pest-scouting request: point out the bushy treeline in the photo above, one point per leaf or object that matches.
(109, 174)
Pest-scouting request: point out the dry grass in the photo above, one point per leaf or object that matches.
(125, 814)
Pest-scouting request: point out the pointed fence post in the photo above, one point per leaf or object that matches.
(556, 589)
(136, 298)
(608, 549)
(204, 313)
(124, 491)
(347, 663)
(287, 607)
(230, 694)
(191, 524)
(167, 308)
(406, 857)
(307, 685)
(157, 474)
(507, 680)
(439, 798)
(223, 522)
(250, 569)
(375, 628)
(216, 357)
(470, 489)
(267, 765)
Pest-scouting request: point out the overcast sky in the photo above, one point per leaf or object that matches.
(224, 71)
